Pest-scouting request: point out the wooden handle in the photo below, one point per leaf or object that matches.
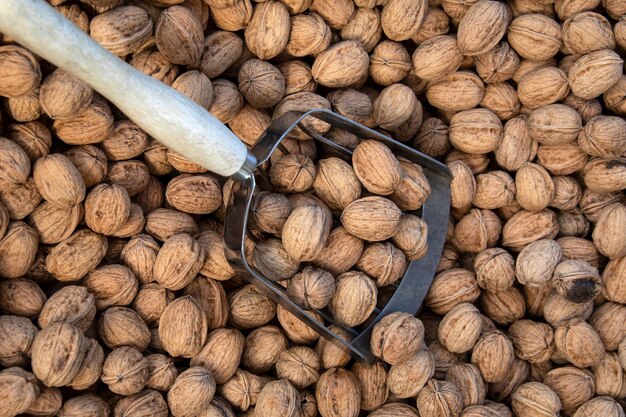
(165, 114)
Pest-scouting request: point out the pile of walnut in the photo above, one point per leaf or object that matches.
(116, 295)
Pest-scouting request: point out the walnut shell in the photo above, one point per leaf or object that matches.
(71, 304)
(15, 349)
(227, 100)
(250, 308)
(604, 405)
(411, 237)
(536, 262)
(608, 227)
(336, 183)
(91, 368)
(477, 230)
(451, 287)
(267, 32)
(371, 218)
(535, 36)
(495, 269)
(299, 365)
(58, 180)
(242, 390)
(577, 281)
(20, 390)
(63, 96)
(221, 354)
(178, 262)
(271, 258)
(493, 355)
(397, 337)
(437, 57)
(312, 288)
(533, 342)
(121, 326)
(298, 77)
(233, 17)
(221, 50)
(57, 354)
(24, 108)
(526, 227)
(460, 328)
(389, 63)
(580, 343)
(341, 252)
(535, 399)
(94, 124)
(303, 101)
(161, 372)
(466, 125)
(306, 246)
(122, 30)
(393, 106)
(383, 262)
(439, 398)
(295, 329)
(250, 123)
(91, 163)
(183, 327)
(261, 83)
(21, 297)
(341, 65)
(164, 223)
(482, 27)
(573, 386)
(197, 86)
(145, 403)
(278, 398)
(262, 349)
(18, 249)
(179, 36)
(606, 67)
(338, 393)
(401, 19)
(20, 71)
(354, 299)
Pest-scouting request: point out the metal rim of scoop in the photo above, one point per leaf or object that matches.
(411, 289)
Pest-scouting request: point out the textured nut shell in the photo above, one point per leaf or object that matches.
(482, 27)
(536, 262)
(164, 223)
(577, 281)
(74, 257)
(397, 337)
(460, 90)
(91, 163)
(440, 398)
(580, 343)
(107, 208)
(354, 299)
(401, 19)
(293, 173)
(603, 405)
(608, 227)
(493, 354)
(267, 32)
(20, 390)
(406, 379)
(460, 328)
(495, 269)
(341, 65)
(534, 187)
(312, 288)
(20, 71)
(594, 73)
(178, 34)
(476, 131)
(92, 125)
(58, 180)
(451, 287)
(250, 308)
(57, 354)
(121, 326)
(15, 348)
(437, 57)
(336, 13)
(542, 87)
(62, 96)
(383, 262)
(494, 189)
(221, 354)
(477, 231)
(183, 327)
(376, 167)
(534, 398)
(20, 200)
(196, 86)
(261, 83)
(121, 30)
(195, 194)
(535, 36)
(271, 258)
(526, 227)
(371, 218)
(18, 249)
(242, 390)
(338, 393)
(278, 398)
(305, 232)
(21, 297)
(341, 252)
(262, 349)
(299, 365)
(573, 386)
(178, 262)
(71, 304)
(336, 183)
(393, 106)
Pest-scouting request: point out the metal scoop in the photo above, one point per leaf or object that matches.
(187, 128)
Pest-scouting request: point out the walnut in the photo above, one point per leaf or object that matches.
(372, 380)
(535, 399)
(18, 249)
(145, 402)
(20, 71)
(383, 262)
(407, 379)
(451, 287)
(526, 227)
(312, 288)
(15, 348)
(192, 392)
(338, 392)
(577, 281)
(21, 297)
(393, 107)
(221, 354)
(331, 355)
(464, 126)
(122, 30)
(278, 398)
(397, 337)
(57, 354)
(354, 299)
(533, 342)
(468, 380)
(93, 125)
(20, 390)
(161, 372)
(440, 398)
(460, 90)
(183, 327)
(305, 232)
(494, 269)
(389, 63)
(493, 355)
(460, 328)
(242, 390)
(297, 75)
(71, 304)
(262, 349)
(363, 27)
(295, 329)
(178, 261)
(194, 194)
(604, 405)
(293, 173)
(197, 86)
(477, 230)
(91, 368)
(261, 83)
(309, 35)
(299, 365)
(341, 65)
(371, 218)
(569, 340)
(250, 308)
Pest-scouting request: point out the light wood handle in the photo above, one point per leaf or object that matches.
(166, 115)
